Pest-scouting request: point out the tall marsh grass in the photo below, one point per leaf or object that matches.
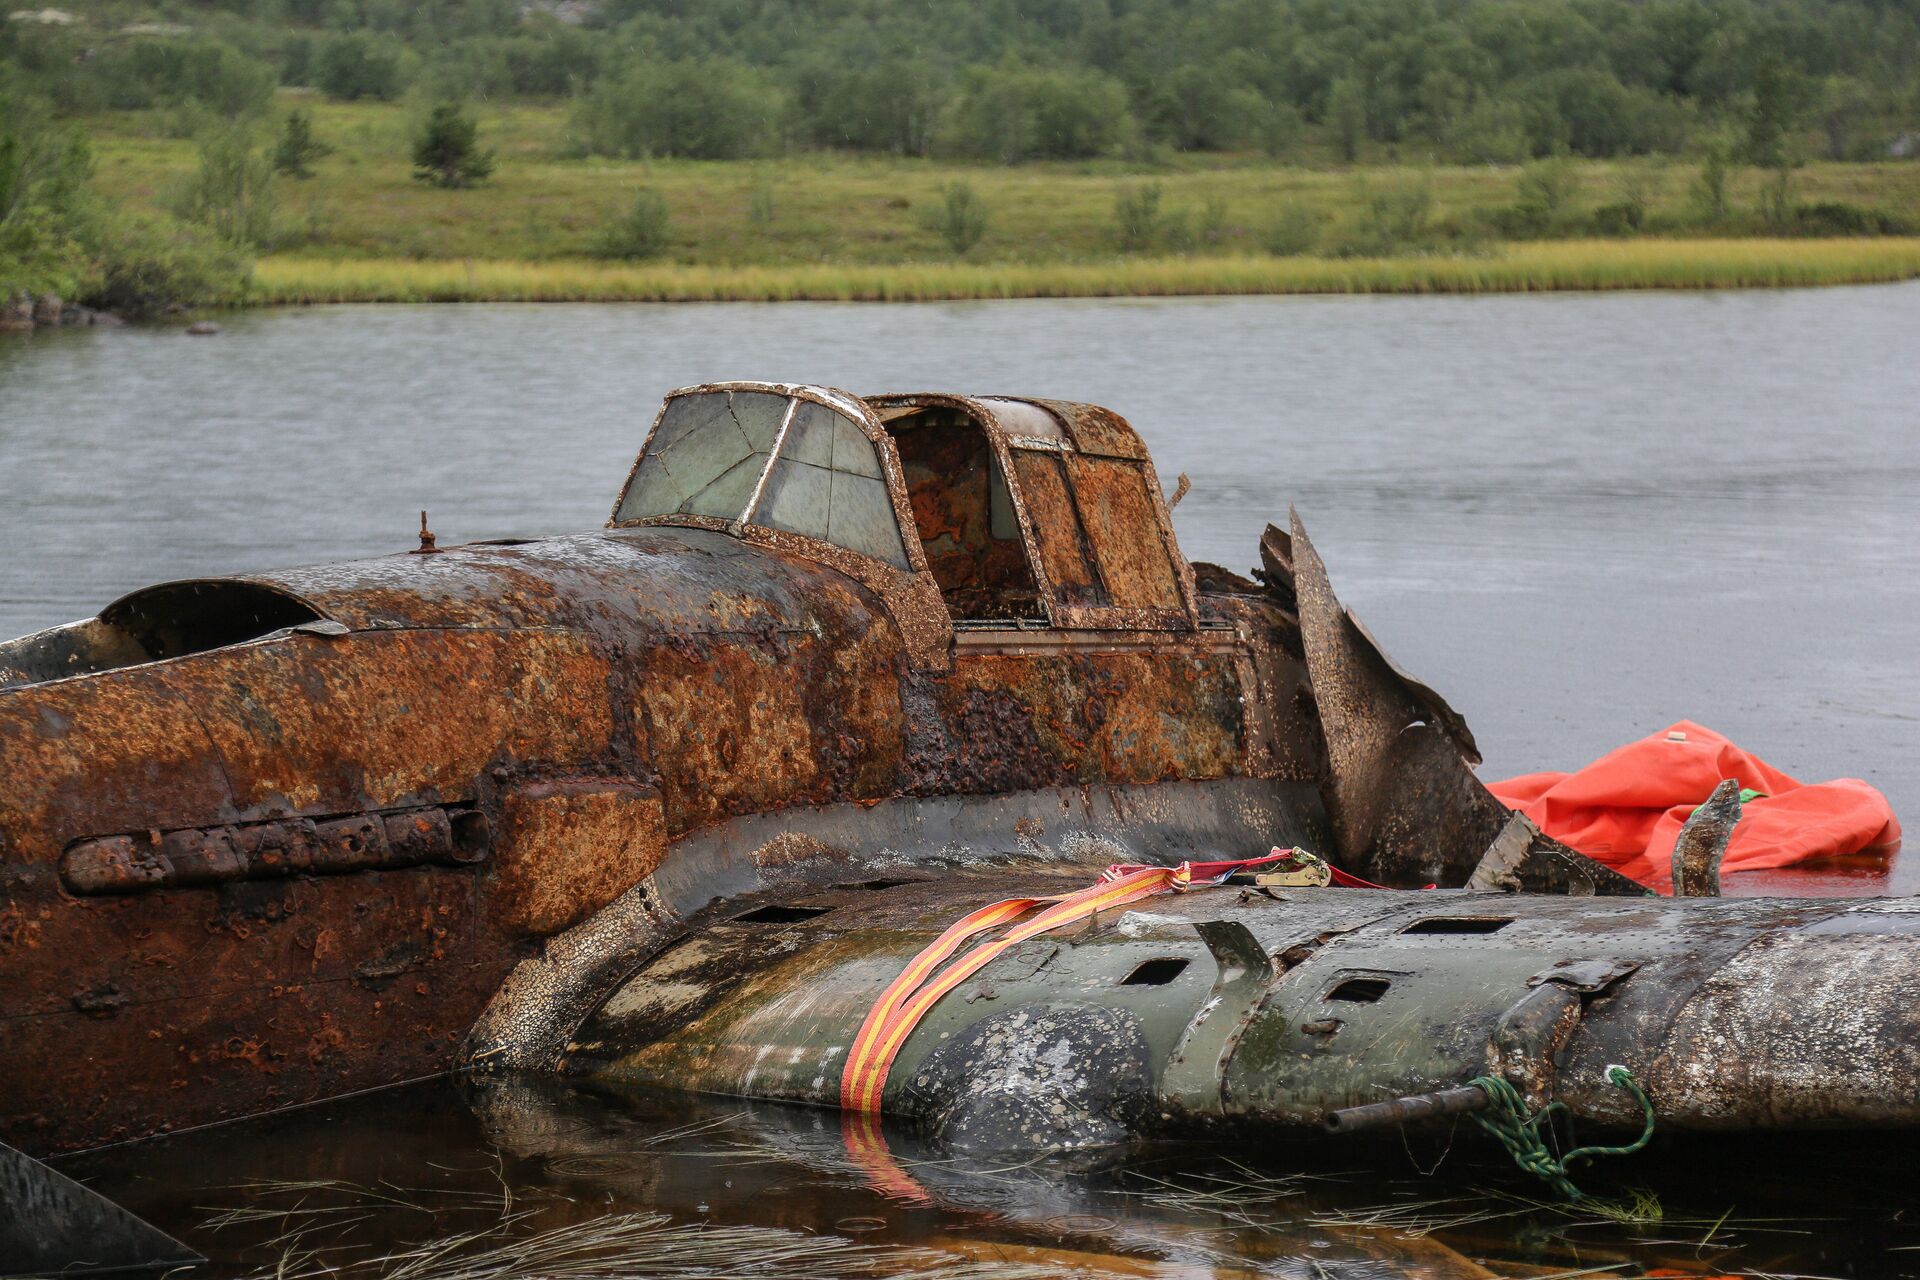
(1516, 268)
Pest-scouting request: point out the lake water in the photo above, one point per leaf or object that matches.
(1581, 517)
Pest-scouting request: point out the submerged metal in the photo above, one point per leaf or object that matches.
(1251, 1008)
(54, 1225)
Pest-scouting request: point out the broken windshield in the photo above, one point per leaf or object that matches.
(712, 448)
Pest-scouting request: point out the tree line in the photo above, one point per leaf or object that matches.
(1497, 81)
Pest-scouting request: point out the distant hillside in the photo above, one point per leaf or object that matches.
(1015, 80)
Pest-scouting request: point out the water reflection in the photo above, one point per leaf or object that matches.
(495, 1170)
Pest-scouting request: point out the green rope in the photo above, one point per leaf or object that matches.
(1506, 1118)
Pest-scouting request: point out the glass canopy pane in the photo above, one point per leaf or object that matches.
(862, 519)
(706, 455)
(797, 499)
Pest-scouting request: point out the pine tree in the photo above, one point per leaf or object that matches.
(298, 148)
(447, 153)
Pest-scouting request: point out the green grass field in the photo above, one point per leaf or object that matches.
(840, 226)
(1535, 266)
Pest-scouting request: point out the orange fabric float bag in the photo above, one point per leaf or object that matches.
(1626, 808)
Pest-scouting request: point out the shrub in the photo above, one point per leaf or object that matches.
(1495, 131)
(1295, 232)
(558, 60)
(643, 231)
(1280, 129)
(761, 204)
(1211, 228)
(1619, 219)
(493, 66)
(1837, 218)
(1394, 219)
(891, 106)
(705, 110)
(43, 169)
(146, 264)
(296, 58)
(1136, 217)
(1639, 182)
(1711, 185)
(962, 219)
(1776, 197)
(1543, 193)
(1176, 232)
(231, 194)
(1199, 108)
(1346, 115)
(1773, 112)
(447, 152)
(189, 120)
(145, 72)
(1588, 111)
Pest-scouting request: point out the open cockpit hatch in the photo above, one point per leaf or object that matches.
(153, 624)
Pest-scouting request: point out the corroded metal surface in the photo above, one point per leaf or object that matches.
(274, 850)
(1099, 536)
(528, 1025)
(1702, 843)
(1109, 1029)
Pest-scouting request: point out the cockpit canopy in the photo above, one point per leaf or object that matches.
(778, 460)
(1022, 512)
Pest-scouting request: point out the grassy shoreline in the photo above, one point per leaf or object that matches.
(856, 227)
(1545, 266)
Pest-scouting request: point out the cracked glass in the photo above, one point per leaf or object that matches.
(706, 455)
(827, 484)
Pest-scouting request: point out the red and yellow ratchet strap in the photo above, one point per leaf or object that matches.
(911, 995)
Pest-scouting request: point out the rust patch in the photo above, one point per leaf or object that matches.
(274, 850)
(157, 990)
(1013, 721)
(1065, 557)
(1124, 532)
(1095, 431)
(568, 847)
(384, 718)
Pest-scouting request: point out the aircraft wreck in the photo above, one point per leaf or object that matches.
(674, 801)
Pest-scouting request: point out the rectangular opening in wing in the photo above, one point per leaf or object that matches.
(1360, 990)
(1467, 925)
(1155, 973)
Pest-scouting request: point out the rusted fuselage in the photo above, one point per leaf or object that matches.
(282, 836)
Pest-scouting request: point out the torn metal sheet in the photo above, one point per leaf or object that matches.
(53, 1225)
(1702, 843)
(1401, 794)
